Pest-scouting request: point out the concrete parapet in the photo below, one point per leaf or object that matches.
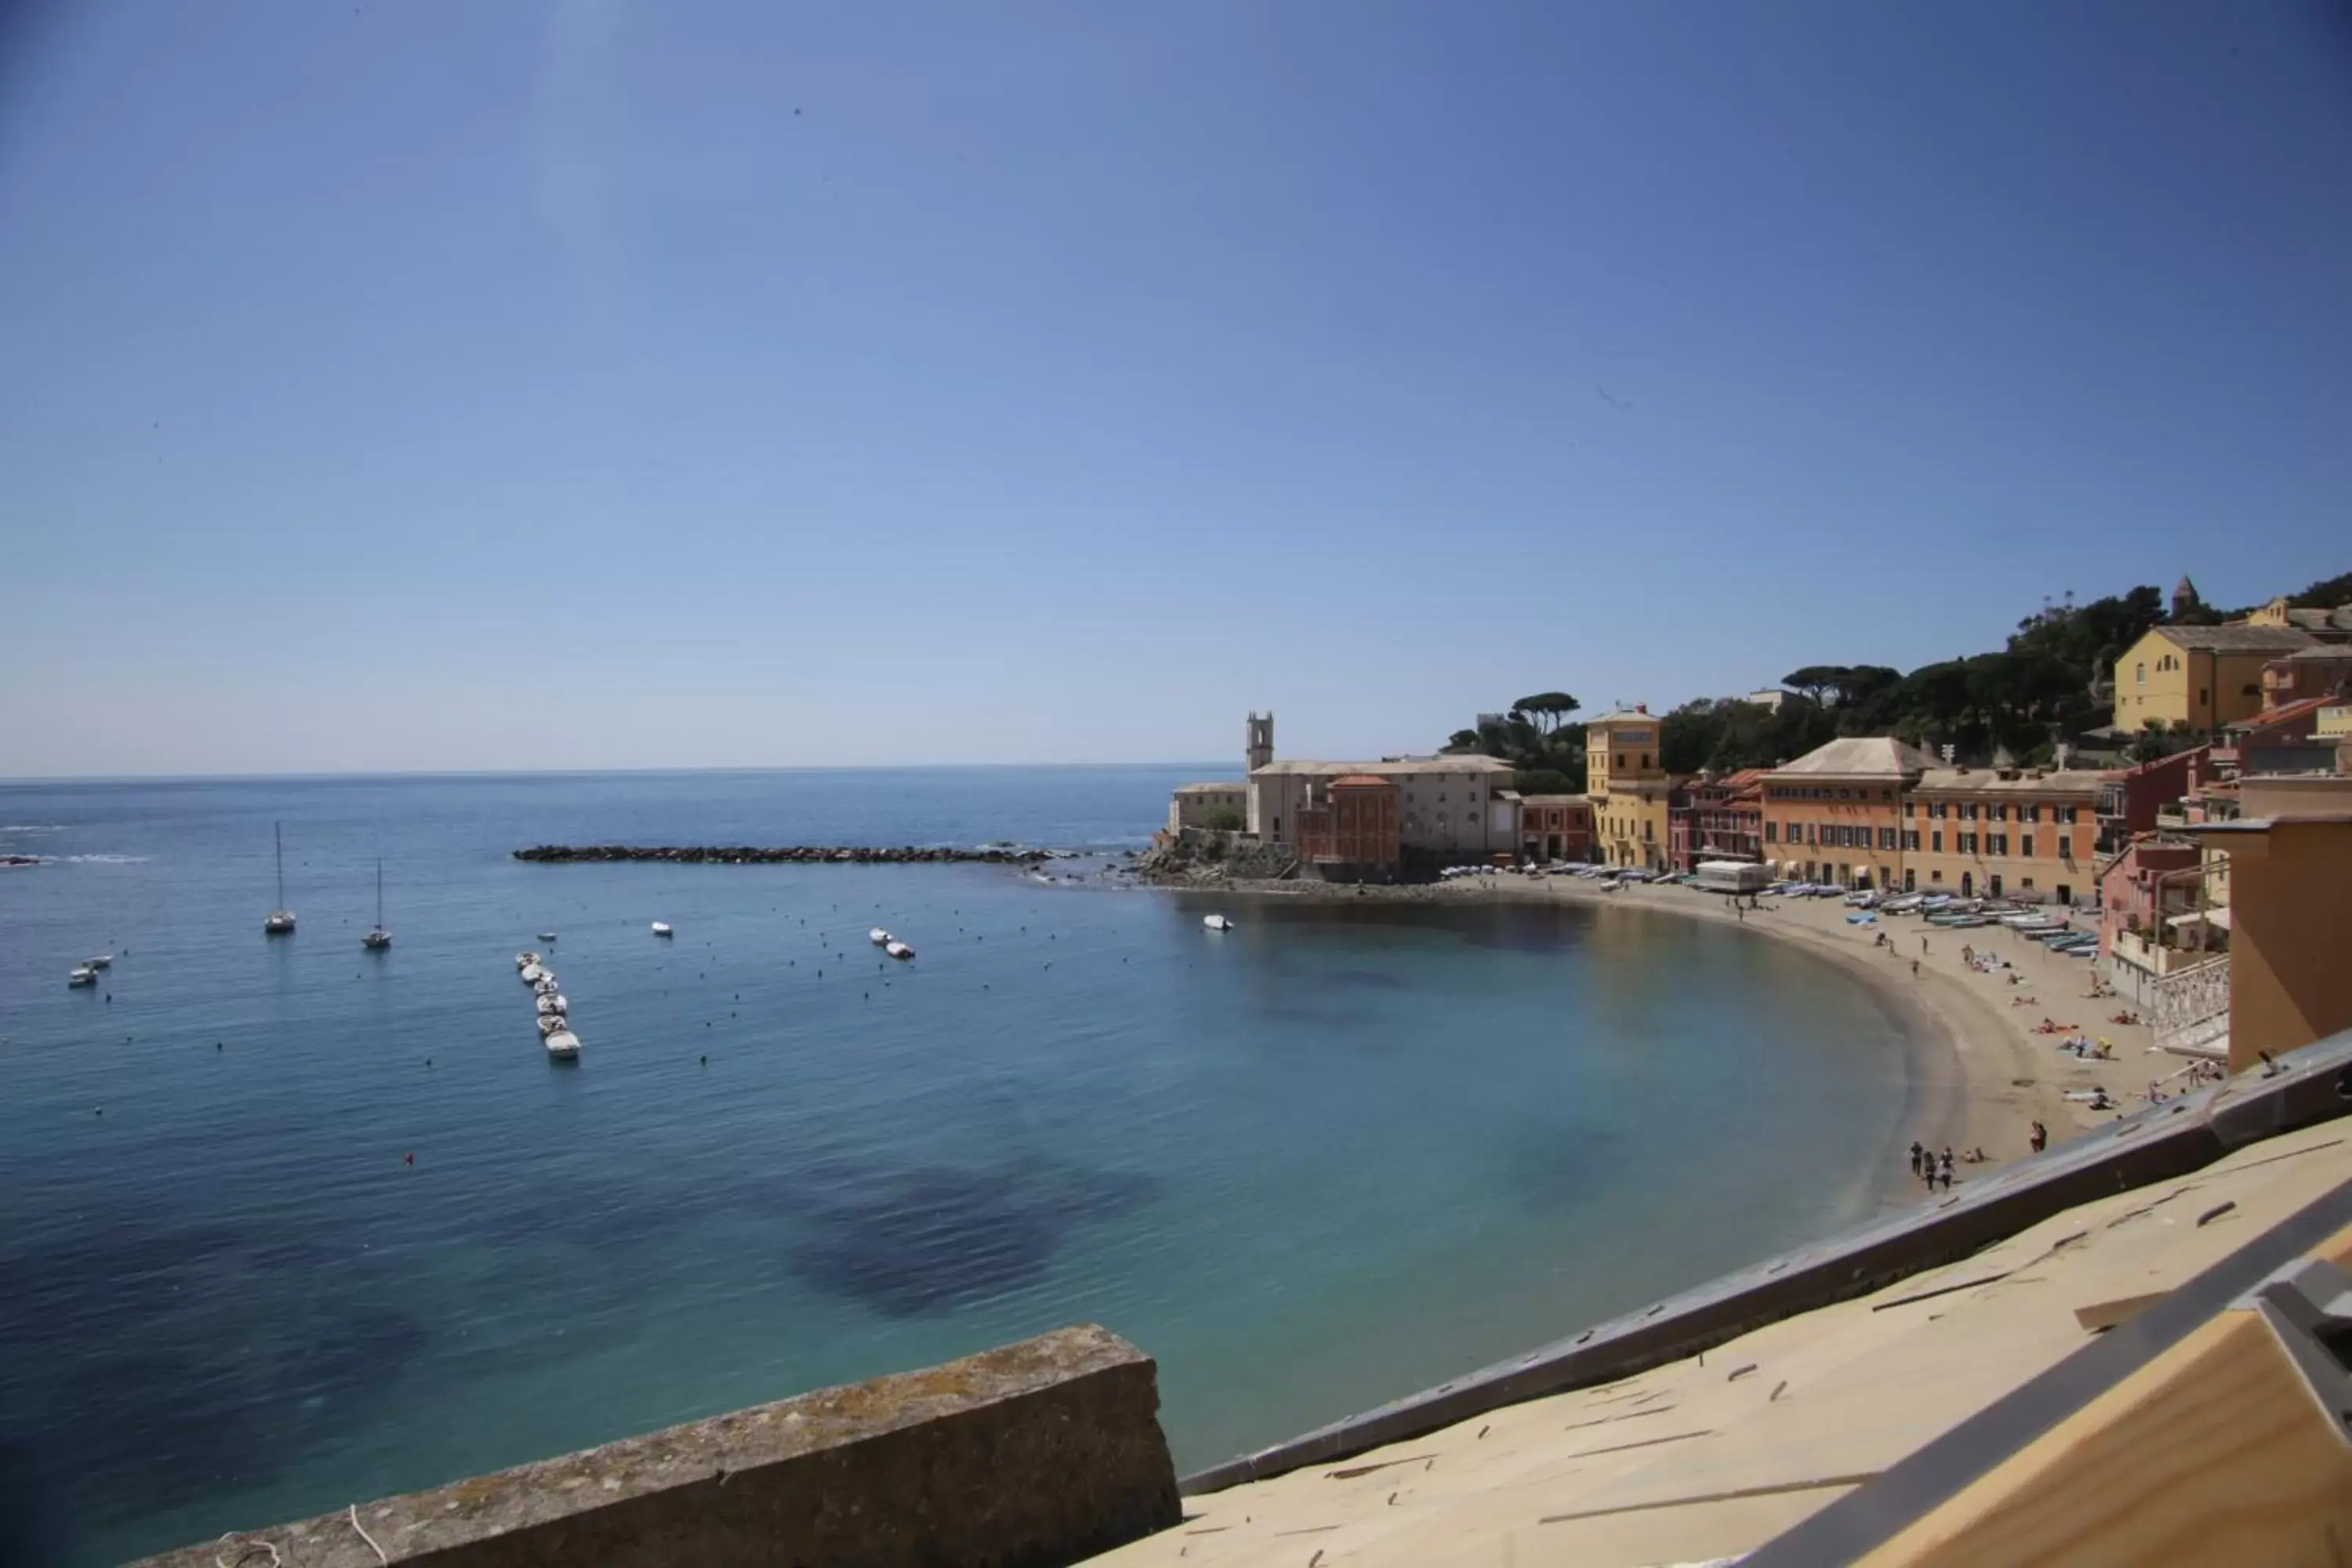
(1033, 1453)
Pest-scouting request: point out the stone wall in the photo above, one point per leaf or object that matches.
(1025, 1457)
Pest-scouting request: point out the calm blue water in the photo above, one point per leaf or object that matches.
(1339, 1154)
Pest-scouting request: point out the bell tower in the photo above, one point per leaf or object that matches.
(1260, 750)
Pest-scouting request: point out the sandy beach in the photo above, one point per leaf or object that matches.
(1985, 1074)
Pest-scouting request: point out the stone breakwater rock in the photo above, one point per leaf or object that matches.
(790, 854)
(1214, 857)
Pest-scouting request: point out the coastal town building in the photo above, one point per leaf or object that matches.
(2130, 798)
(1556, 826)
(1222, 803)
(1350, 828)
(1625, 778)
(2018, 832)
(2328, 625)
(1455, 806)
(1835, 815)
(1717, 818)
(2289, 849)
(2199, 677)
(2147, 895)
(2322, 670)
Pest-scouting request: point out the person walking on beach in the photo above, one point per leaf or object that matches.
(1917, 1153)
(1923, 944)
(2040, 1139)
(1915, 969)
(1945, 1170)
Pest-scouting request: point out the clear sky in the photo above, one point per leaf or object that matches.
(449, 384)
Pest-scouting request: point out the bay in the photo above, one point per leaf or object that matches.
(1338, 1153)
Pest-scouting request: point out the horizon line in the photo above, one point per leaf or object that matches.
(352, 774)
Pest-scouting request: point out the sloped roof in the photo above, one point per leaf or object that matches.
(1221, 786)
(1859, 757)
(1621, 716)
(2080, 782)
(1361, 780)
(1461, 764)
(2235, 638)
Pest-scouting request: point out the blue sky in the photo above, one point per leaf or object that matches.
(599, 382)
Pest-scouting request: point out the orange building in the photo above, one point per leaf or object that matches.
(1347, 829)
(2019, 833)
(1835, 815)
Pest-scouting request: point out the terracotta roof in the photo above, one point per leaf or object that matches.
(1361, 780)
(2082, 782)
(1859, 757)
(2235, 638)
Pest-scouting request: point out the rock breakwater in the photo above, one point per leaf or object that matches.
(789, 854)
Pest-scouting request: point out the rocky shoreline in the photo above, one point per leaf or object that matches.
(790, 854)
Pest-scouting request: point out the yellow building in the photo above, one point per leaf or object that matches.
(1626, 781)
(2003, 832)
(2204, 677)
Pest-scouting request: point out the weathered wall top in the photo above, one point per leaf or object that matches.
(1036, 1453)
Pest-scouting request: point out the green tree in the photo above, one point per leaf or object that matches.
(1549, 710)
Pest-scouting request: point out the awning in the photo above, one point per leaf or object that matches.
(2215, 917)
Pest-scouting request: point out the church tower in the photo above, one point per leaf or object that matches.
(1261, 742)
(2184, 597)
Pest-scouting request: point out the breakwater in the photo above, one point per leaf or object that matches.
(788, 854)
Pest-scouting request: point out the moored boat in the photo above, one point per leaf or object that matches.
(879, 936)
(1217, 923)
(103, 961)
(81, 975)
(896, 949)
(661, 928)
(530, 974)
(553, 1006)
(564, 1045)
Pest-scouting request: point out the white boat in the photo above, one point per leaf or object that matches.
(1217, 923)
(279, 922)
(550, 1022)
(661, 928)
(898, 949)
(548, 985)
(81, 975)
(525, 959)
(547, 936)
(379, 937)
(103, 961)
(553, 1006)
(531, 973)
(564, 1045)
(879, 936)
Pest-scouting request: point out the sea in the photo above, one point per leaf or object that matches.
(286, 1224)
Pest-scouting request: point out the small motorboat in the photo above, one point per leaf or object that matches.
(81, 975)
(103, 961)
(879, 936)
(547, 986)
(279, 922)
(896, 949)
(547, 936)
(531, 973)
(1217, 923)
(562, 1044)
(525, 959)
(661, 928)
(550, 1022)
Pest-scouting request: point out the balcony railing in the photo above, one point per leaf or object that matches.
(2188, 1009)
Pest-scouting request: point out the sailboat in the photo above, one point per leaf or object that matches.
(379, 937)
(281, 920)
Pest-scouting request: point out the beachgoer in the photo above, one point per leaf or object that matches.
(1923, 944)
(1915, 969)
(1945, 1170)
(1916, 1152)
(2041, 1138)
